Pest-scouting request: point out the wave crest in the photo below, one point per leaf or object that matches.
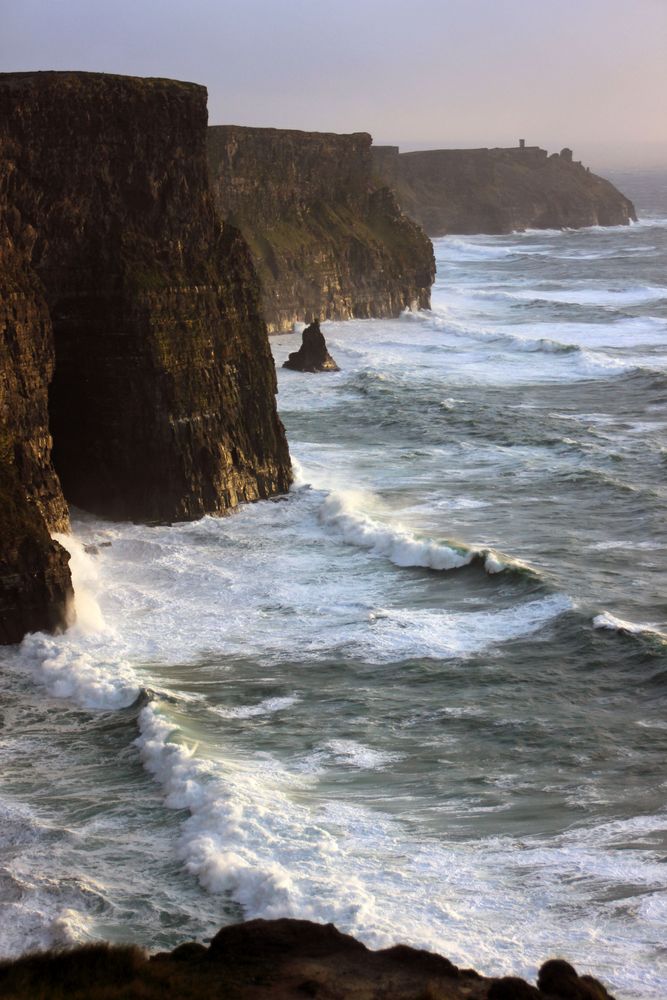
(404, 549)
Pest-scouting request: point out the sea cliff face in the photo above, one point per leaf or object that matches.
(328, 240)
(130, 322)
(499, 190)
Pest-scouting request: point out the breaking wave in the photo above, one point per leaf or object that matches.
(340, 513)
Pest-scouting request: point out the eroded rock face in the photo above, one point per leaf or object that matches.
(162, 402)
(499, 190)
(35, 585)
(328, 240)
(131, 331)
(313, 355)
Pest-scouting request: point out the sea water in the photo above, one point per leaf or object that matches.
(422, 696)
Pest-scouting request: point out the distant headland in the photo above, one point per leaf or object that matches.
(502, 190)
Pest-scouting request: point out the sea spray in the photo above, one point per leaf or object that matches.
(454, 757)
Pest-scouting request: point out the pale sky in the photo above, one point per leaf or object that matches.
(590, 74)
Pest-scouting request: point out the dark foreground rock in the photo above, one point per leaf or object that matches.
(134, 361)
(313, 355)
(328, 239)
(499, 190)
(281, 959)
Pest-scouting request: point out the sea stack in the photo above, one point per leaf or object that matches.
(313, 355)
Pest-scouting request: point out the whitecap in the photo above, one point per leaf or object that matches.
(606, 620)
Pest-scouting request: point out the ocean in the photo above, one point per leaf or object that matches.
(423, 696)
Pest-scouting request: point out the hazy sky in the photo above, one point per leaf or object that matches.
(591, 74)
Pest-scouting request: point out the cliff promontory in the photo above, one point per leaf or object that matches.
(328, 241)
(276, 960)
(499, 190)
(134, 363)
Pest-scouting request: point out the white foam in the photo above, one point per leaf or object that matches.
(266, 707)
(85, 582)
(456, 249)
(608, 621)
(249, 835)
(348, 753)
(437, 634)
(81, 671)
(339, 512)
(605, 297)
(87, 664)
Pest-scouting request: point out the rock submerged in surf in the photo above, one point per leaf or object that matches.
(313, 355)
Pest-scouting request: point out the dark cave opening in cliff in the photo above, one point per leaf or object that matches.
(76, 410)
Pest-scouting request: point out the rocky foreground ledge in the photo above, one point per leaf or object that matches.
(278, 959)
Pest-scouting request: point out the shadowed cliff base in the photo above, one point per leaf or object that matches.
(465, 191)
(35, 585)
(276, 959)
(131, 332)
(327, 239)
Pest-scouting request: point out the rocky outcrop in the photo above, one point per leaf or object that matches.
(130, 324)
(327, 239)
(313, 355)
(275, 960)
(35, 586)
(499, 190)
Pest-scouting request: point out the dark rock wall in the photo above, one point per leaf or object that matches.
(329, 242)
(499, 190)
(162, 404)
(35, 587)
(120, 287)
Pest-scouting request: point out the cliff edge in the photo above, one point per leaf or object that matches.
(328, 240)
(496, 191)
(135, 367)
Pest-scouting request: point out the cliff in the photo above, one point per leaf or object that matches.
(131, 332)
(499, 190)
(276, 960)
(328, 241)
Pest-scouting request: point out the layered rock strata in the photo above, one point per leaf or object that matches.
(499, 190)
(35, 586)
(327, 239)
(130, 321)
(277, 960)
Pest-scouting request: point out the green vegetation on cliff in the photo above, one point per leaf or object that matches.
(327, 240)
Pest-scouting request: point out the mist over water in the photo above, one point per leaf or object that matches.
(423, 696)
